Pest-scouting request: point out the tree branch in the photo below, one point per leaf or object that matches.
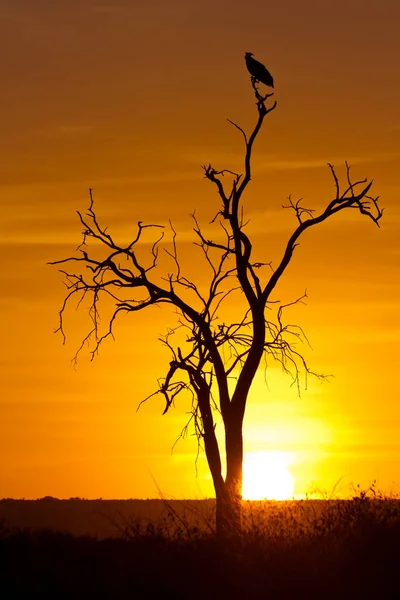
(351, 197)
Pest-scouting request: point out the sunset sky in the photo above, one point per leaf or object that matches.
(131, 97)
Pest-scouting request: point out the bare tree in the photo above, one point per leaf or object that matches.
(215, 352)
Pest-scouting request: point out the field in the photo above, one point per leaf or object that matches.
(149, 549)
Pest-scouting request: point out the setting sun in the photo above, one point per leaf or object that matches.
(266, 476)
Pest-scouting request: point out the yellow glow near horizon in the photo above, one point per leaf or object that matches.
(266, 476)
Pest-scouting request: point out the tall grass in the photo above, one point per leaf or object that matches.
(299, 549)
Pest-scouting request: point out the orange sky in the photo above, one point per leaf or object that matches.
(130, 97)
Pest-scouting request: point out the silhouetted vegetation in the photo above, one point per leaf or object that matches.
(213, 359)
(299, 549)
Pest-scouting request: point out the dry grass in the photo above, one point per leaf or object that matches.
(313, 549)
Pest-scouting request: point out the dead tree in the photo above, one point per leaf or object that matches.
(214, 350)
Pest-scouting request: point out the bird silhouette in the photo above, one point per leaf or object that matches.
(258, 71)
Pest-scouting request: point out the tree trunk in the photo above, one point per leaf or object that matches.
(228, 513)
(229, 496)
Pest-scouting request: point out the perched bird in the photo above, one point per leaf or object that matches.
(258, 71)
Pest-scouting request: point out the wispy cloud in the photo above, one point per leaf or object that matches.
(272, 162)
(111, 8)
(67, 130)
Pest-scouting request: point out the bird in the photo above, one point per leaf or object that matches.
(258, 71)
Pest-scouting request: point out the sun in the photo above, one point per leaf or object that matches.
(266, 476)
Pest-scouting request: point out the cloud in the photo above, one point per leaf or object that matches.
(110, 8)
(63, 131)
(271, 162)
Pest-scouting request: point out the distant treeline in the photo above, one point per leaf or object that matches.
(99, 518)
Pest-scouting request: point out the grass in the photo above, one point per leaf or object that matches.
(301, 549)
